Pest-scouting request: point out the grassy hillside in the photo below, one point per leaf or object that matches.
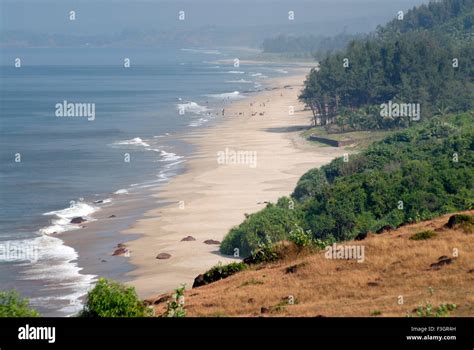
(399, 276)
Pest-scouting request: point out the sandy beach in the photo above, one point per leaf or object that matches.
(213, 195)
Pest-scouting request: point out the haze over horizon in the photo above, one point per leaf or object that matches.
(236, 22)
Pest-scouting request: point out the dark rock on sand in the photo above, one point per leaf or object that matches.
(188, 239)
(120, 251)
(264, 310)
(112, 216)
(162, 256)
(211, 241)
(77, 220)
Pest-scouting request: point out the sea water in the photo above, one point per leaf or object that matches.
(56, 166)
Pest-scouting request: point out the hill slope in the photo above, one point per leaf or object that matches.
(394, 266)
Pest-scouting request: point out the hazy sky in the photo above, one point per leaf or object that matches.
(112, 16)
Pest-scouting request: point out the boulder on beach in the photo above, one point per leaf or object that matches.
(77, 220)
(211, 241)
(163, 256)
(188, 239)
(112, 216)
(120, 251)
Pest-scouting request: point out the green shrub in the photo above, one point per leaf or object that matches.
(221, 271)
(264, 254)
(12, 305)
(269, 225)
(175, 307)
(301, 238)
(423, 235)
(429, 311)
(113, 299)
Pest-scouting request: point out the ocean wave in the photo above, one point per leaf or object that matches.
(121, 191)
(159, 136)
(192, 107)
(235, 72)
(136, 141)
(240, 81)
(198, 122)
(62, 218)
(60, 275)
(169, 156)
(228, 95)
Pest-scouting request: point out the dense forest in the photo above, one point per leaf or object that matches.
(424, 57)
(412, 175)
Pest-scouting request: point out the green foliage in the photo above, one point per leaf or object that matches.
(407, 177)
(112, 299)
(12, 305)
(268, 226)
(376, 313)
(429, 311)
(423, 235)
(175, 307)
(301, 238)
(221, 271)
(263, 254)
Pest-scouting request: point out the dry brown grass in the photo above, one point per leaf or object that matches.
(394, 266)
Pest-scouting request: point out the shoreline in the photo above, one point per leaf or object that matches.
(209, 198)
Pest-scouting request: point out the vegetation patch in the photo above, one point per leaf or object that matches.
(252, 282)
(423, 235)
(113, 299)
(429, 310)
(13, 305)
(218, 272)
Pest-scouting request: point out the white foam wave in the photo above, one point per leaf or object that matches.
(62, 218)
(136, 141)
(168, 156)
(198, 122)
(192, 107)
(228, 95)
(240, 81)
(235, 72)
(56, 267)
(121, 191)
